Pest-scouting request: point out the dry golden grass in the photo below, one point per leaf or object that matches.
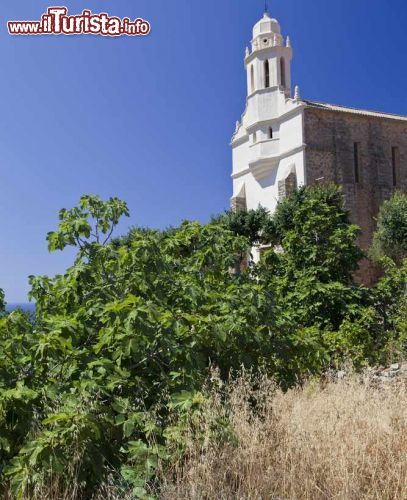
(345, 440)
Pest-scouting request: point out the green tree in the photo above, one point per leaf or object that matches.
(313, 228)
(390, 238)
(312, 274)
(130, 331)
(131, 322)
(256, 225)
(310, 277)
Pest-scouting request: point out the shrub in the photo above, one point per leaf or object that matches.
(390, 238)
(101, 385)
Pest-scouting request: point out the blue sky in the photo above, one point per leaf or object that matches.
(149, 119)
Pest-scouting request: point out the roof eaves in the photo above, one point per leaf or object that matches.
(356, 111)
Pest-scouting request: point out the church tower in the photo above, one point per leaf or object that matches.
(268, 64)
(268, 149)
(282, 142)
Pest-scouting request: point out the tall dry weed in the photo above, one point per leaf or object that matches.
(345, 440)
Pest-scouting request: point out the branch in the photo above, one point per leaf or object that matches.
(110, 234)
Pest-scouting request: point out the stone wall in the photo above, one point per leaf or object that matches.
(238, 204)
(287, 186)
(330, 137)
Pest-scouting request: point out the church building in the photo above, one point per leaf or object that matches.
(283, 141)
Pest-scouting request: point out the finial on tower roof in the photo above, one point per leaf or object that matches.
(288, 42)
(297, 93)
(266, 7)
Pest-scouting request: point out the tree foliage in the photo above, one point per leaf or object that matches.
(126, 336)
(390, 238)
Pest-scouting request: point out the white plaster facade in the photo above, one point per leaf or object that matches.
(270, 157)
(268, 141)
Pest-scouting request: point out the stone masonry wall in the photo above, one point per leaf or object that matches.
(238, 204)
(330, 137)
(287, 186)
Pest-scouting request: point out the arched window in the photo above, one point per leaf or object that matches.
(266, 74)
(282, 71)
(252, 78)
(270, 133)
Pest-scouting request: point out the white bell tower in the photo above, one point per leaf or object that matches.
(268, 147)
(268, 64)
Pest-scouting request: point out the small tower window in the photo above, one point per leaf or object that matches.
(356, 161)
(252, 78)
(254, 137)
(282, 72)
(394, 162)
(266, 74)
(270, 133)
